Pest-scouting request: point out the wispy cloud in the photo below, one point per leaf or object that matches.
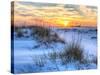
(47, 11)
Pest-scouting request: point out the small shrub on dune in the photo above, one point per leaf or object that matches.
(41, 32)
(46, 36)
(19, 32)
(72, 52)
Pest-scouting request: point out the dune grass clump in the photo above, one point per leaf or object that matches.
(39, 61)
(40, 32)
(19, 32)
(45, 36)
(53, 55)
(53, 58)
(73, 51)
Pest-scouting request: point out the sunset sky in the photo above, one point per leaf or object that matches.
(49, 14)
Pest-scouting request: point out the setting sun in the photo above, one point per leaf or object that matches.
(57, 15)
(66, 23)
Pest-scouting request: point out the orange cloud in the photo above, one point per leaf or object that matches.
(54, 14)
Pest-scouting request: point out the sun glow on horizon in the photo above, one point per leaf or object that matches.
(60, 15)
(66, 23)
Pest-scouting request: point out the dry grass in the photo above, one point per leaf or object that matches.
(19, 32)
(39, 61)
(46, 36)
(53, 55)
(41, 32)
(73, 51)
